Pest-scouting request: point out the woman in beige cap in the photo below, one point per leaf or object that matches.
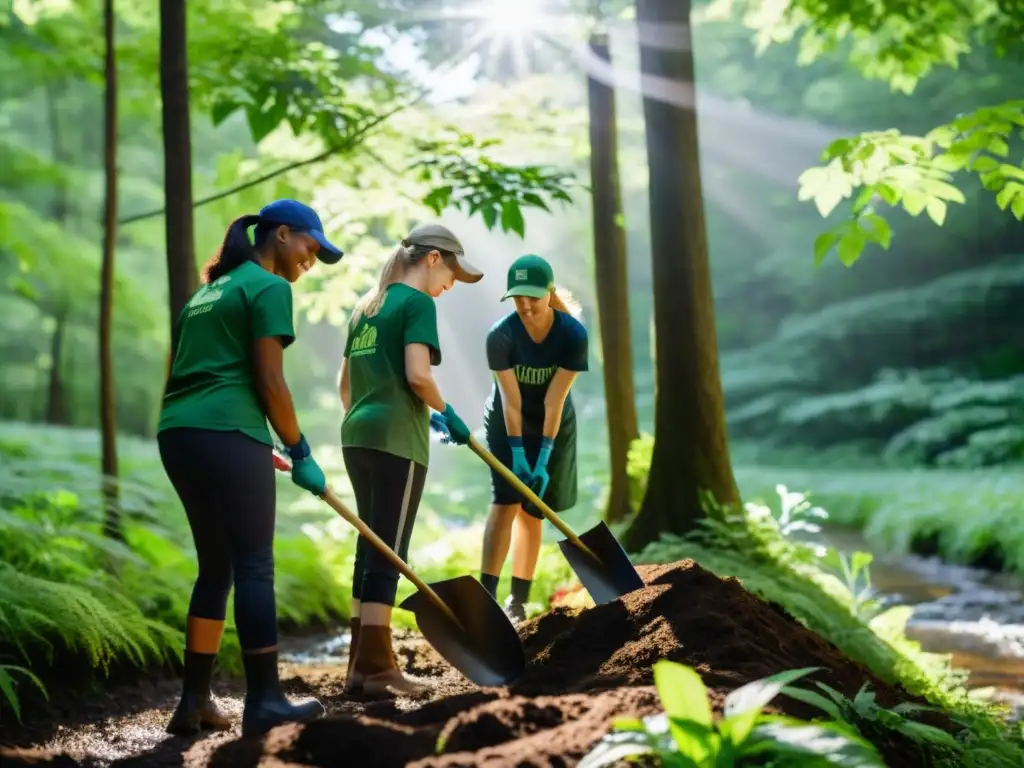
(387, 390)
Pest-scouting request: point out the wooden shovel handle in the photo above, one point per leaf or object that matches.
(509, 476)
(378, 543)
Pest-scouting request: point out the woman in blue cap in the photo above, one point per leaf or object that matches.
(535, 353)
(225, 384)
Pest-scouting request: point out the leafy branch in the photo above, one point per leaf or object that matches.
(915, 173)
(466, 178)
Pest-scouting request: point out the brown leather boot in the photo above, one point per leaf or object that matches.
(353, 681)
(376, 666)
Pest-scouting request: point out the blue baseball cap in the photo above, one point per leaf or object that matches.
(302, 218)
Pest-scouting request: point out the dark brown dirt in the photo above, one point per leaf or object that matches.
(586, 667)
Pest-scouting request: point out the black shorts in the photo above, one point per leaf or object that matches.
(562, 487)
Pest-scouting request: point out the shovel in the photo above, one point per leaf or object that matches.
(597, 558)
(458, 617)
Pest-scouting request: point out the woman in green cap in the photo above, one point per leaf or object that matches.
(225, 384)
(387, 390)
(535, 353)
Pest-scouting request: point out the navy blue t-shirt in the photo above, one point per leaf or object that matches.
(509, 346)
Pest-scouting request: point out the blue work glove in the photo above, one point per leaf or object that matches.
(458, 432)
(440, 426)
(540, 479)
(520, 466)
(306, 473)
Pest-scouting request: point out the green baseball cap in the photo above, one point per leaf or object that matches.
(530, 276)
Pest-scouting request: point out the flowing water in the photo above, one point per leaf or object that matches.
(975, 616)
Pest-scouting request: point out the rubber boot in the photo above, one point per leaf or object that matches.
(376, 666)
(266, 706)
(353, 679)
(196, 709)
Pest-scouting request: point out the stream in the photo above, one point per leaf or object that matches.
(976, 616)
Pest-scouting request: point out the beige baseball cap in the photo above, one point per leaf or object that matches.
(442, 238)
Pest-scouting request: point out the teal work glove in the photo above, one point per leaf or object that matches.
(457, 429)
(520, 466)
(306, 473)
(540, 479)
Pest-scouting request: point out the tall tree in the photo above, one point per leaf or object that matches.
(112, 524)
(56, 395)
(611, 279)
(181, 261)
(691, 451)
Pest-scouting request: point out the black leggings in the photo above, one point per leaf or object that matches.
(388, 490)
(225, 481)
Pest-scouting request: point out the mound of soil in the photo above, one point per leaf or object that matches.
(586, 668)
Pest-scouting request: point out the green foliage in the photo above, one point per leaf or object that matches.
(963, 516)
(871, 720)
(466, 178)
(916, 173)
(686, 736)
(8, 686)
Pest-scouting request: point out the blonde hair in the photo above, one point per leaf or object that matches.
(564, 301)
(404, 256)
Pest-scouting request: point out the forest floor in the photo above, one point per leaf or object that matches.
(587, 666)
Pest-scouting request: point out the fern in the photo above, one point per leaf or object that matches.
(8, 684)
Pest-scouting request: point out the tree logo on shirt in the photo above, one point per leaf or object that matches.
(365, 343)
(203, 300)
(537, 376)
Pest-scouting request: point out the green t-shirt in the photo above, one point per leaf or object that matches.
(385, 413)
(212, 383)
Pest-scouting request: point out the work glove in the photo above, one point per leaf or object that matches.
(520, 466)
(456, 428)
(540, 479)
(306, 473)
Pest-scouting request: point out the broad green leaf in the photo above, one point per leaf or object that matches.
(914, 201)
(878, 229)
(823, 244)
(860, 560)
(928, 733)
(1017, 206)
(936, 211)
(682, 692)
(1008, 193)
(490, 214)
(815, 700)
(695, 741)
(536, 201)
(222, 110)
(512, 218)
(827, 741)
(851, 245)
(984, 163)
(943, 190)
(744, 705)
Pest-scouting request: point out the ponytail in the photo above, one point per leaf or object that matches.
(564, 301)
(234, 251)
(373, 299)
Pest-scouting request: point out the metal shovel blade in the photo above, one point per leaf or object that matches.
(612, 577)
(486, 649)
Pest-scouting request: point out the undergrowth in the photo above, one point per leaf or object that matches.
(826, 593)
(73, 600)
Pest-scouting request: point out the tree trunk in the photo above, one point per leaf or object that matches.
(611, 278)
(691, 450)
(56, 395)
(112, 523)
(182, 276)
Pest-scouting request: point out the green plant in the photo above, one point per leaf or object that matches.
(856, 572)
(867, 717)
(8, 684)
(686, 735)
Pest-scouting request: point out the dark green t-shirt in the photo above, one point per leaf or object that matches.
(509, 346)
(212, 382)
(385, 412)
